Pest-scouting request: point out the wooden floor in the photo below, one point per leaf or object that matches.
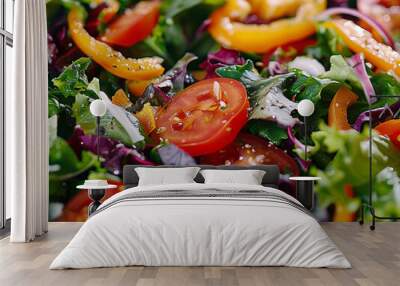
(375, 257)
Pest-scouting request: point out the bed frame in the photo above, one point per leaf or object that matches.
(131, 178)
(271, 177)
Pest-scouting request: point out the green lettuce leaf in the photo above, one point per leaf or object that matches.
(350, 163)
(53, 106)
(73, 79)
(341, 71)
(67, 162)
(81, 112)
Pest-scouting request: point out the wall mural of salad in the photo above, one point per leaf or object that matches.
(218, 82)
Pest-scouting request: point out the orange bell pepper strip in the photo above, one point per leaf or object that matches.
(391, 129)
(360, 40)
(111, 60)
(337, 114)
(226, 28)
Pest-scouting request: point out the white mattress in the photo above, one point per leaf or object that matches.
(200, 231)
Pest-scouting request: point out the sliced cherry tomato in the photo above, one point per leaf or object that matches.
(205, 117)
(391, 129)
(249, 150)
(134, 25)
(337, 115)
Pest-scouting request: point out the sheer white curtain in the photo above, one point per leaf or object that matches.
(26, 131)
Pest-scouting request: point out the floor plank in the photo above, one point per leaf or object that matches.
(375, 257)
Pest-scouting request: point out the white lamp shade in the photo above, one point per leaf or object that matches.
(305, 107)
(98, 108)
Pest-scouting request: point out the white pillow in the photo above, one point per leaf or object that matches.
(163, 176)
(248, 177)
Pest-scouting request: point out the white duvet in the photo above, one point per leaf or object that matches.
(200, 231)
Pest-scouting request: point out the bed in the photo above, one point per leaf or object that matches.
(197, 224)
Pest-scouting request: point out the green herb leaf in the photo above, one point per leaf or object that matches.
(385, 84)
(307, 87)
(267, 130)
(235, 71)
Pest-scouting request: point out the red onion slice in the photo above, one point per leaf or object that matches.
(305, 165)
(275, 68)
(294, 140)
(369, 20)
(358, 65)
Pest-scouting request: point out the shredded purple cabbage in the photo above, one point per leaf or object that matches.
(338, 3)
(172, 155)
(52, 49)
(93, 22)
(378, 115)
(59, 32)
(222, 58)
(253, 19)
(114, 153)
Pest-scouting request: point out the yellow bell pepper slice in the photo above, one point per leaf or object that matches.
(111, 60)
(226, 28)
(146, 118)
(137, 87)
(360, 40)
(121, 99)
(272, 9)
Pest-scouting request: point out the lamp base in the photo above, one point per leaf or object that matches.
(95, 195)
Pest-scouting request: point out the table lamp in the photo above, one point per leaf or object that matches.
(305, 108)
(98, 109)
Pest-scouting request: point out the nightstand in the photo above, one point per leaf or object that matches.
(96, 191)
(305, 190)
